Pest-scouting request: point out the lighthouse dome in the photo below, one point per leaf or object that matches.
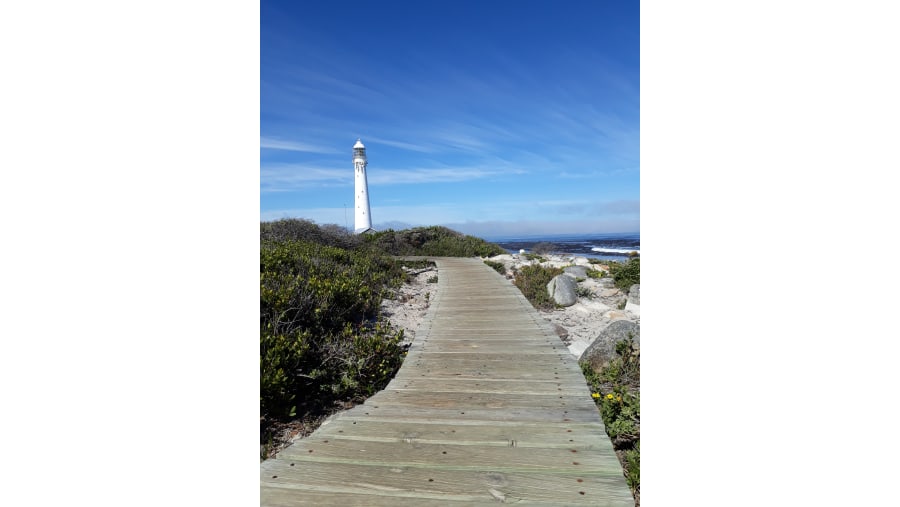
(358, 144)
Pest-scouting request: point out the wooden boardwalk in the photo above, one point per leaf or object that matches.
(489, 407)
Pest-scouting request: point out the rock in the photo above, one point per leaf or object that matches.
(607, 282)
(603, 349)
(633, 309)
(562, 290)
(582, 261)
(608, 293)
(633, 303)
(576, 271)
(634, 294)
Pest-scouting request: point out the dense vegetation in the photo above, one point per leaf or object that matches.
(532, 281)
(323, 344)
(496, 266)
(434, 241)
(626, 274)
(318, 338)
(616, 390)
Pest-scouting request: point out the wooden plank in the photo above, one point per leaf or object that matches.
(531, 354)
(511, 343)
(485, 434)
(449, 485)
(372, 410)
(486, 400)
(417, 454)
(486, 371)
(457, 384)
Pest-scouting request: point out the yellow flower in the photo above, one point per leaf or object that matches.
(609, 396)
(595, 395)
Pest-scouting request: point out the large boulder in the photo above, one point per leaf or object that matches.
(633, 303)
(603, 349)
(562, 290)
(634, 294)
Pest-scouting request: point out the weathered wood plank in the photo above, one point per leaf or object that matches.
(488, 400)
(373, 410)
(423, 455)
(290, 496)
(453, 485)
(460, 385)
(484, 434)
(488, 371)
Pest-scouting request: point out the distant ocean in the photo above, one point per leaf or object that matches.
(611, 247)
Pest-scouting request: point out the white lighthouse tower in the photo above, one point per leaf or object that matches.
(363, 221)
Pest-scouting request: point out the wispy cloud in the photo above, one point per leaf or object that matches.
(441, 175)
(428, 214)
(287, 177)
(402, 145)
(278, 144)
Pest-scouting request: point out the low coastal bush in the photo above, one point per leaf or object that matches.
(432, 241)
(616, 391)
(498, 266)
(535, 257)
(626, 274)
(595, 273)
(296, 229)
(533, 280)
(319, 337)
(584, 292)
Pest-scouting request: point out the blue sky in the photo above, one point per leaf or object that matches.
(494, 118)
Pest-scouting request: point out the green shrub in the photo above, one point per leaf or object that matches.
(319, 336)
(633, 467)
(616, 392)
(626, 274)
(296, 229)
(532, 281)
(595, 273)
(432, 241)
(620, 411)
(498, 266)
(535, 257)
(583, 292)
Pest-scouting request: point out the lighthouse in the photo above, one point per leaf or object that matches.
(363, 220)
